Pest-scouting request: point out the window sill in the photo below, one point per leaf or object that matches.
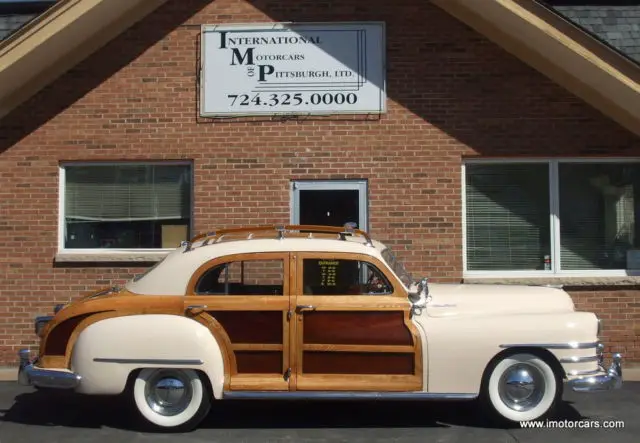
(113, 256)
(558, 280)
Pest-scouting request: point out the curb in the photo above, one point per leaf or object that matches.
(629, 373)
(8, 373)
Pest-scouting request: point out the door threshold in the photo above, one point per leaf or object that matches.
(347, 395)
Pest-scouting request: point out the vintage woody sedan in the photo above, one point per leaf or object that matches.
(315, 312)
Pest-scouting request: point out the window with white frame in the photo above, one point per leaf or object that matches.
(124, 205)
(552, 217)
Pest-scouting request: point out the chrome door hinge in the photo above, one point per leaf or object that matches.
(289, 314)
(287, 374)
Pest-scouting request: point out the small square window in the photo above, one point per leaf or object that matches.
(125, 206)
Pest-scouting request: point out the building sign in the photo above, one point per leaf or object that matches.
(318, 68)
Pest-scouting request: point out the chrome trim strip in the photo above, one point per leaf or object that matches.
(575, 359)
(570, 345)
(148, 361)
(334, 395)
(590, 372)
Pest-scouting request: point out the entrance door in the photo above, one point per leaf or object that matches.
(352, 330)
(330, 203)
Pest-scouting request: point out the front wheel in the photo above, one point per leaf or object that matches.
(171, 399)
(521, 387)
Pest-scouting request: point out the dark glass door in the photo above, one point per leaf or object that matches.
(331, 207)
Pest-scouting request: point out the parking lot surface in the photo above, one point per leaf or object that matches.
(29, 416)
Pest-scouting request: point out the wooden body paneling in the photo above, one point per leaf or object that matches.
(356, 328)
(345, 342)
(355, 342)
(259, 362)
(63, 331)
(255, 326)
(259, 327)
(331, 362)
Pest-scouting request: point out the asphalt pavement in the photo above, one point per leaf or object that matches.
(29, 416)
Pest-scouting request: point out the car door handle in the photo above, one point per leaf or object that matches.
(194, 307)
(300, 308)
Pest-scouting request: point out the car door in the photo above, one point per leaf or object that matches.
(352, 328)
(244, 300)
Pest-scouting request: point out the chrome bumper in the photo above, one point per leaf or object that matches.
(31, 375)
(609, 379)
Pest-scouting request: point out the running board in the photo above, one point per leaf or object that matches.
(334, 395)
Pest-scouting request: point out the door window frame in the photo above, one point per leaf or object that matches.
(397, 288)
(331, 185)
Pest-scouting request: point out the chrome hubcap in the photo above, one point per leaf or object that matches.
(168, 392)
(521, 387)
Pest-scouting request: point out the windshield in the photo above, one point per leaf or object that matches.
(398, 267)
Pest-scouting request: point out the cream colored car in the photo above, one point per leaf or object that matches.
(315, 312)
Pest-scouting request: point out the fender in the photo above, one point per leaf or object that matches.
(460, 348)
(107, 351)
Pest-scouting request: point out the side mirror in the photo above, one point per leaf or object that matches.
(414, 297)
(419, 295)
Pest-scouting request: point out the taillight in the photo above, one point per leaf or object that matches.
(40, 323)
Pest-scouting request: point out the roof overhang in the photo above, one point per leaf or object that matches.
(58, 39)
(71, 30)
(560, 50)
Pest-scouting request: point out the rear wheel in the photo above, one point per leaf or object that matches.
(521, 387)
(171, 399)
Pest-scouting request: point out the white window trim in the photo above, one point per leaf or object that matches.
(554, 220)
(330, 185)
(110, 254)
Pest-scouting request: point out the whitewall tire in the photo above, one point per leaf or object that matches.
(521, 387)
(171, 399)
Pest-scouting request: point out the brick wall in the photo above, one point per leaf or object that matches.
(619, 310)
(452, 93)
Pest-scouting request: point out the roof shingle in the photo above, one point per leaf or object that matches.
(16, 13)
(614, 22)
(11, 22)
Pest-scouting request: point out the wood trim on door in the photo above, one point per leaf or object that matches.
(292, 324)
(400, 375)
(256, 358)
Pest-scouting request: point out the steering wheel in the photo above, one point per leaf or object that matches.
(372, 285)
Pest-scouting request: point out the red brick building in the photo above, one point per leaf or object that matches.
(508, 150)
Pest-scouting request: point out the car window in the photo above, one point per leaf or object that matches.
(248, 277)
(343, 277)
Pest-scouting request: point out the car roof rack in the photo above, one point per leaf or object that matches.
(280, 231)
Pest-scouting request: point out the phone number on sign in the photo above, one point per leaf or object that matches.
(297, 99)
